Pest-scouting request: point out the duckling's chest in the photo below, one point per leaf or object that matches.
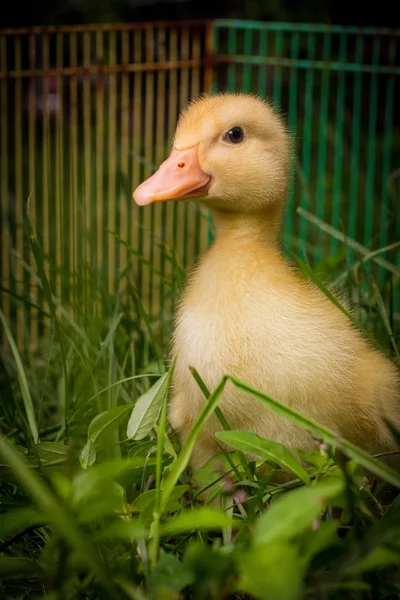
(230, 319)
(251, 322)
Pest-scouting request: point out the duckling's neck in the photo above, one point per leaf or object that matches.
(262, 226)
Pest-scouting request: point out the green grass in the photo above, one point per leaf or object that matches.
(97, 500)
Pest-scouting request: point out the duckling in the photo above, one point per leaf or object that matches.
(245, 310)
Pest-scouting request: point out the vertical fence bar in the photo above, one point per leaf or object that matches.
(355, 149)
(124, 168)
(59, 169)
(46, 150)
(32, 193)
(49, 142)
(148, 216)
(323, 134)
(232, 49)
(307, 139)
(247, 69)
(150, 155)
(89, 233)
(98, 198)
(293, 92)
(5, 200)
(73, 198)
(195, 52)
(172, 109)
(210, 84)
(278, 69)
(262, 71)
(138, 134)
(112, 164)
(79, 206)
(19, 211)
(209, 57)
(338, 160)
(184, 94)
(195, 90)
(161, 215)
(396, 192)
(136, 230)
(371, 151)
(388, 188)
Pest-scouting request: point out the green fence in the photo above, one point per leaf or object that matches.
(88, 111)
(339, 89)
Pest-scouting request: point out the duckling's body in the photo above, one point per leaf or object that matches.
(301, 351)
(246, 312)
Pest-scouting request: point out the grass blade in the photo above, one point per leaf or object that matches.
(365, 252)
(384, 317)
(26, 396)
(37, 253)
(155, 542)
(207, 393)
(224, 424)
(320, 431)
(161, 435)
(184, 455)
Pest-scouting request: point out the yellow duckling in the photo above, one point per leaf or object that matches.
(245, 311)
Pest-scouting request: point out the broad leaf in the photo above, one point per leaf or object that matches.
(105, 423)
(253, 444)
(19, 519)
(294, 511)
(145, 504)
(15, 567)
(124, 530)
(146, 410)
(52, 452)
(204, 518)
(271, 572)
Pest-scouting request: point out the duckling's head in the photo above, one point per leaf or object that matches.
(230, 151)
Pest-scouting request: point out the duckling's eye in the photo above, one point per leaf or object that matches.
(234, 135)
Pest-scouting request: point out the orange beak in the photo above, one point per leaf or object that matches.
(180, 176)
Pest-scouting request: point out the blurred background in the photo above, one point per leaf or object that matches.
(63, 12)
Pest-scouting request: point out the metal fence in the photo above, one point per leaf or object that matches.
(339, 88)
(87, 111)
(85, 114)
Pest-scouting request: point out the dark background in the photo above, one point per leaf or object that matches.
(57, 12)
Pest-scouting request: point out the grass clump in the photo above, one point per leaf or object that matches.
(97, 500)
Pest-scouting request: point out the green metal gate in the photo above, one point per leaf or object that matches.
(88, 111)
(339, 88)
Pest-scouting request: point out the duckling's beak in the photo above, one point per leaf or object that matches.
(180, 176)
